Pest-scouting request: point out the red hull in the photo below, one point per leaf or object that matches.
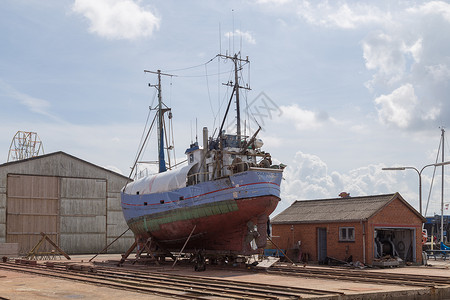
(228, 232)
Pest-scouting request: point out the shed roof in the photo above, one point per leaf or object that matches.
(337, 209)
(64, 154)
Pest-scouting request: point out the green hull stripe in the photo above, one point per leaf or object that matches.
(152, 223)
(145, 225)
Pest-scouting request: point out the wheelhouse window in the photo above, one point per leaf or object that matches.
(346, 234)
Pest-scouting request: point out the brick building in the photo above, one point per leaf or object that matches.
(357, 228)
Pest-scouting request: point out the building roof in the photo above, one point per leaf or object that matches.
(337, 209)
(63, 154)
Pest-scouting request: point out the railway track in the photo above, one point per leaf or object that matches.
(168, 285)
(362, 276)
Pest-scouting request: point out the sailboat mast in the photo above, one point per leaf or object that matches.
(238, 110)
(161, 160)
(160, 114)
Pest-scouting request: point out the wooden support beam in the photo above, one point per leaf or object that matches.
(125, 256)
(104, 249)
(34, 252)
(185, 243)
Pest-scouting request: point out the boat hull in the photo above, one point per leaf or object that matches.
(227, 214)
(217, 229)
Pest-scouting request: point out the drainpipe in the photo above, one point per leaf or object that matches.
(364, 241)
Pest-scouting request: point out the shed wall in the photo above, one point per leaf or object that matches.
(287, 235)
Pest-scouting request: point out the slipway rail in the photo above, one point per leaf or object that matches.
(362, 276)
(168, 285)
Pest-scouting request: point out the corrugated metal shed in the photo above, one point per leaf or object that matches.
(334, 210)
(76, 202)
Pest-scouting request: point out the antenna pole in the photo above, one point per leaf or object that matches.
(196, 131)
(442, 189)
(161, 111)
(237, 67)
(162, 163)
(238, 110)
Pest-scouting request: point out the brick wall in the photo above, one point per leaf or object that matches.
(286, 237)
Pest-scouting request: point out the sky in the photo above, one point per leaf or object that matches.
(340, 88)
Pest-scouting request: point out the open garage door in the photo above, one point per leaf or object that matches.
(32, 208)
(395, 242)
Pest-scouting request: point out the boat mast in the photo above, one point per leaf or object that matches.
(238, 110)
(237, 67)
(160, 114)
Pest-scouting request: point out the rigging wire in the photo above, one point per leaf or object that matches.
(143, 147)
(218, 89)
(173, 142)
(170, 91)
(209, 94)
(226, 96)
(191, 67)
(145, 127)
(197, 76)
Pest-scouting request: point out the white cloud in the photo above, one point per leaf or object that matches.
(405, 49)
(276, 2)
(416, 50)
(398, 107)
(401, 108)
(118, 19)
(245, 35)
(303, 119)
(439, 72)
(341, 15)
(432, 114)
(307, 178)
(432, 8)
(36, 105)
(383, 53)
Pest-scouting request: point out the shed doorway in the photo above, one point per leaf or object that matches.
(321, 245)
(395, 242)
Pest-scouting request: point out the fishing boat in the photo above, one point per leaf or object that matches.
(220, 200)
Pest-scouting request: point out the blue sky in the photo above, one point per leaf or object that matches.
(355, 85)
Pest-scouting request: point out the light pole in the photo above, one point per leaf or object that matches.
(420, 176)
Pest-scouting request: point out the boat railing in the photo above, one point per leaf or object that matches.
(197, 177)
(140, 174)
(226, 170)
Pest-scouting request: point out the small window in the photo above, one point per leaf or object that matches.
(346, 234)
(161, 201)
(191, 157)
